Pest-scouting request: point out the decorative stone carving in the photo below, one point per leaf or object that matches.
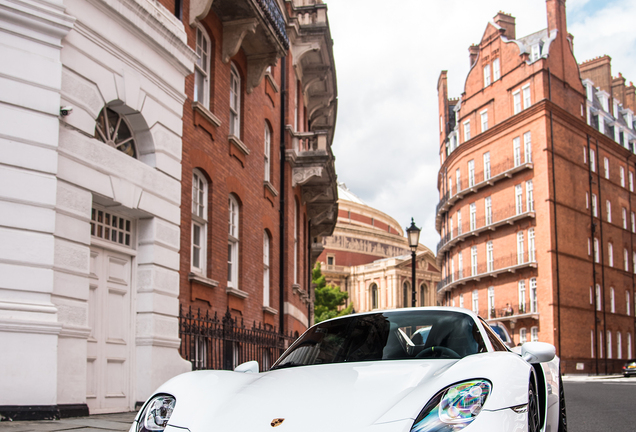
(199, 9)
(233, 34)
(314, 193)
(257, 66)
(301, 176)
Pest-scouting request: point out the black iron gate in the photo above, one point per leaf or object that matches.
(212, 343)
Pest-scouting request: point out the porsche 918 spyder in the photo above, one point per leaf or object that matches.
(431, 369)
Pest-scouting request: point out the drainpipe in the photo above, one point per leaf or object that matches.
(283, 203)
(593, 229)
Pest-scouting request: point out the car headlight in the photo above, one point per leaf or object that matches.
(453, 408)
(156, 413)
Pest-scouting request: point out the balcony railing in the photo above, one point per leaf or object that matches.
(275, 18)
(499, 217)
(503, 264)
(498, 172)
(524, 310)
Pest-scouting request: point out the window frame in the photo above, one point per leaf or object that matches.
(235, 101)
(199, 217)
(202, 66)
(234, 213)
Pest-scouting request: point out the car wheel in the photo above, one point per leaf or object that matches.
(534, 425)
(563, 424)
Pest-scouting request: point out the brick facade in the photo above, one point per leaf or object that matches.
(543, 114)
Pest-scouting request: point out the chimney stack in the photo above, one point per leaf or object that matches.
(507, 23)
(473, 52)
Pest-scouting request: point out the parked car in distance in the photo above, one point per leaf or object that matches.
(629, 368)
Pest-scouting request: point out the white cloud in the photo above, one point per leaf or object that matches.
(388, 59)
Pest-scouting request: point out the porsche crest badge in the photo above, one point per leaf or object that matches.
(277, 422)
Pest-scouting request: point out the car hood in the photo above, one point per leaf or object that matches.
(334, 396)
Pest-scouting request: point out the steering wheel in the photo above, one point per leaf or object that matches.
(437, 352)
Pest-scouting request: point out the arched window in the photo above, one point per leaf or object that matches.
(233, 244)
(235, 102)
(265, 269)
(113, 129)
(375, 297)
(268, 145)
(202, 68)
(199, 222)
(406, 290)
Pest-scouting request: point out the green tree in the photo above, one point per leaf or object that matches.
(328, 298)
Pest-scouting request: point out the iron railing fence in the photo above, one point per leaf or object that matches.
(210, 342)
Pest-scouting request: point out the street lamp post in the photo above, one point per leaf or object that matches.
(414, 240)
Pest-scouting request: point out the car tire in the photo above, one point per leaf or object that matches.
(534, 424)
(563, 424)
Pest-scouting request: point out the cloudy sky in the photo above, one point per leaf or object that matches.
(389, 55)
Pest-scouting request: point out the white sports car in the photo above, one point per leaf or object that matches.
(409, 370)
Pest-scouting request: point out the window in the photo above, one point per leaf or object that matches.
(622, 171)
(458, 180)
(527, 145)
(535, 52)
(589, 246)
(113, 129)
(490, 256)
(608, 209)
(625, 260)
(110, 227)
(522, 296)
(516, 102)
(235, 102)
(534, 334)
(624, 213)
(598, 298)
(612, 301)
(484, 120)
(473, 217)
(516, 151)
(592, 342)
(475, 301)
(199, 222)
(619, 347)
(461, 300)
(531, 248)
(610, 254)
(450, 228)
(491, 302)
(473, 260)
(496, 70)
(471, 173)
(529, 196)
(594, 209)
(450, 186)
(374, 297)
(584, 154)
(526, 97)
(518, 198)
(466, 130)
(634, 260)
(460, 264)
(609, 344)
(459, 222)
(202, 69)
(488, 210)
(606, 167)
(600, 343)
(487, 166)
(534, 307)
(631, 181)
(523, 336)
(265, 269)
(596, 257)
(627, 303)
(330, 260)
(592, 160)
(633, 222)
(233, 244)
(452, 270)
(520, 248)
(267, 151)
(587, 200)
(486, 75)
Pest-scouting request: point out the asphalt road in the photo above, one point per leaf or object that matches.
(594, 406)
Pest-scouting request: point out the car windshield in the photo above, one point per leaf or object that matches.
(396, 335)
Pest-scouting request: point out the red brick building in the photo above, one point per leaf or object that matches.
(259, 183)
(537, 201)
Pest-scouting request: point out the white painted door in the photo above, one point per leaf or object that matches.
(109, 352)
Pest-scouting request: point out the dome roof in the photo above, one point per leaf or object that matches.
(345, 194)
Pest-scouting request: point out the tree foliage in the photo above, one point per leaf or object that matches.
(329, 298)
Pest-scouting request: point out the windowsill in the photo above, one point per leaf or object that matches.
(206, 113)
(239, 144)
(270, 78)
(236, 293)
(270, 187)
(270, 310)
(211, 283)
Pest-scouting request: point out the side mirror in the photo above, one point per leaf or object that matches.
(537, 352)
(247, 367)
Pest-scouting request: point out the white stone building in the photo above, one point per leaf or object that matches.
(89, 203)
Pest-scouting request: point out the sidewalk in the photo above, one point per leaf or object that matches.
(590, 378)
(119, 422)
